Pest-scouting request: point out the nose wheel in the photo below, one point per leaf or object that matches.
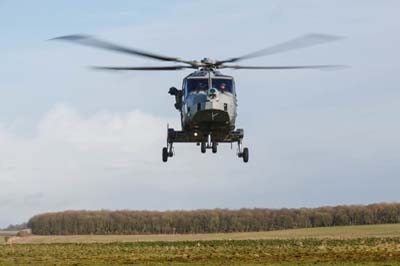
(214, 147)
(204, 146)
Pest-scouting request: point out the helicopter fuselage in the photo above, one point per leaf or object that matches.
(209, 103)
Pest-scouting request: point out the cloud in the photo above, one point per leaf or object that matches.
(73, 154)
(106, 160)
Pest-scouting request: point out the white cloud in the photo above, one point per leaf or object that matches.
(72, 153)
(105, 160)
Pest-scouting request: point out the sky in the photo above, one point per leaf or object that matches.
(74, 138)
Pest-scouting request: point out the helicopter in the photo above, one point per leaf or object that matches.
(207, 101)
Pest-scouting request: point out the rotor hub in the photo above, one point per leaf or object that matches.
(208, 61)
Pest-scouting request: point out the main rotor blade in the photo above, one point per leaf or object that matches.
(321, 67)
(93, 42)
(297, 43)
(145, 68)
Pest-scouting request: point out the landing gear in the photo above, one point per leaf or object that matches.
(209, 145)
(243, 153)
(167, 152)
(210, 141)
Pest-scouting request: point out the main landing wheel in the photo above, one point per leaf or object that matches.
(203, 147)
(165, 154)
(245, 155)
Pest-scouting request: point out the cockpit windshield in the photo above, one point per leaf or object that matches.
(223, 85)
(197, 85)
(201, 85)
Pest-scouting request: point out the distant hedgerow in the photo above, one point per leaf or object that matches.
(209, 221)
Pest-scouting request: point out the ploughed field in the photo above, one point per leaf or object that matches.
(350, 245)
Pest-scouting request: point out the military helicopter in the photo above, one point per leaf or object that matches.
(207, 101)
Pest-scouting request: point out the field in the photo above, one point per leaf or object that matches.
(340, 232)
(4, 234)
(350, 245)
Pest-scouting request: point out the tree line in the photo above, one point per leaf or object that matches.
(209, 221)
(15, 227)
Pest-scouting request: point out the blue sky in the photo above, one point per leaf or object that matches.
(73, 138)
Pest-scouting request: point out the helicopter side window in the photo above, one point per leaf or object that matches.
(197, 85)
(223, 85)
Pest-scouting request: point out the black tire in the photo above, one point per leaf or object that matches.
(245, 155)
(214, 147)
(203, 147)
(165, 154)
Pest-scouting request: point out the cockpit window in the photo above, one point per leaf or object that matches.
(223, 85)
(197, 85)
